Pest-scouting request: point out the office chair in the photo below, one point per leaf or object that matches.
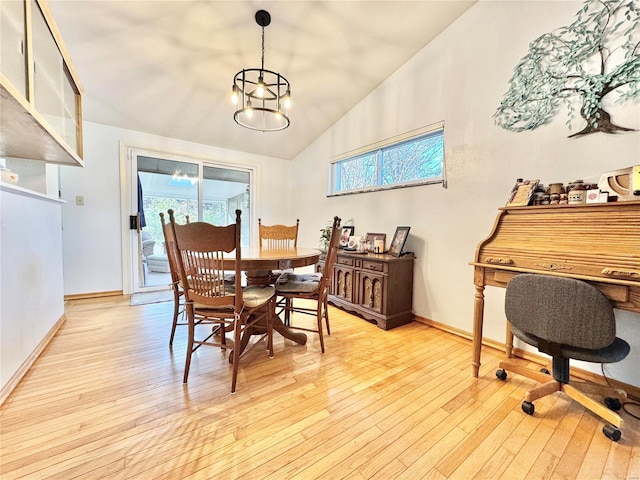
(566, 319)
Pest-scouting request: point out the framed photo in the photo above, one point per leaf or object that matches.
(399, 239)
(523, 195)
(372, 237)
(346, 233)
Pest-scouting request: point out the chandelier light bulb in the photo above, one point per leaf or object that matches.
(234, 95)
(260, 89)
(287, 99)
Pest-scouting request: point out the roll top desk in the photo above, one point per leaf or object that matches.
(597, 243)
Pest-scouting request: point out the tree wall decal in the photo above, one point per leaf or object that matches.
(579, 64)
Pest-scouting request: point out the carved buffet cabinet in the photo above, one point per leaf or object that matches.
(378, 287)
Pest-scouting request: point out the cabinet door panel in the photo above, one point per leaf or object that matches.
(343, 282)
(371, 292)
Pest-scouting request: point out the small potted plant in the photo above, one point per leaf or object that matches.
(325, 236)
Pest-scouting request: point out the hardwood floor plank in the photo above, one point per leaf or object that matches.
(106, 400)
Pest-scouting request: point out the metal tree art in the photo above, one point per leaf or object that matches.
(582, 63)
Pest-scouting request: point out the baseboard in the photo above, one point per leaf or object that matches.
(632, 391)
(13, 382)
(82, 296)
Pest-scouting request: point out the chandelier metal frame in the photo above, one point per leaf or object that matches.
(262, 97)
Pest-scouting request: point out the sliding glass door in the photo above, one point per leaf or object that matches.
(200, 190)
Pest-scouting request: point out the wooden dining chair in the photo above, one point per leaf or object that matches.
(277, 237)
(311, 286)
(179, 310)
(201, 251)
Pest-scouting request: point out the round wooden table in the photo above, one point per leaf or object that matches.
(258, 264)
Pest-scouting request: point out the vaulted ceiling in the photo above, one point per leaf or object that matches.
(166, 66)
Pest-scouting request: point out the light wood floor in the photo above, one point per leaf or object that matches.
(106, 400)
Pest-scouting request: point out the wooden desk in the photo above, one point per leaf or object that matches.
(597, 243)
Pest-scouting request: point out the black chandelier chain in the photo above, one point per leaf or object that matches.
(262, 65)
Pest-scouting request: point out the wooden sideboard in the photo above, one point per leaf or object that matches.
(378, 287)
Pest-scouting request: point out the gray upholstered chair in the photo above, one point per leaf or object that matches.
(565, 318)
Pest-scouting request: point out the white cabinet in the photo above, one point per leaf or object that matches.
(40, 92)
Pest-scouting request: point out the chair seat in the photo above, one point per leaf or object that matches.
(615, 352)
(254, 296)
(294, 283)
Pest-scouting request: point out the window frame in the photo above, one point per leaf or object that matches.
(378, 149)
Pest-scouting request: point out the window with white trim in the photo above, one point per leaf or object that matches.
(408, 160)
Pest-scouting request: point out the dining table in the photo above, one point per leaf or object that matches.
(258, 263)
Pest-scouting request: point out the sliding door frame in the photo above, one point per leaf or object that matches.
(129, 201)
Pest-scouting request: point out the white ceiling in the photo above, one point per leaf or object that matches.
(166, 66)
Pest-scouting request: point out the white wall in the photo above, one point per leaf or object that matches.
(460, 78)
(31, 299)
(92, 233)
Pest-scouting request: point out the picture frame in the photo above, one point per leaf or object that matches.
(372, 237)
(523, 195)
(346, 232)
(399, 239)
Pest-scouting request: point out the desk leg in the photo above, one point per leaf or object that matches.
(478, 318)
(509, 341)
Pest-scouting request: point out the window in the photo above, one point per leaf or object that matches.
(405, 161)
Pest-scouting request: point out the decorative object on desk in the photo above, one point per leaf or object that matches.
(621, 183)
(269, 91)
(347, 231)
(593, 196)
(523, 195)
(558, 70)
(578, 194)
(399, 239)
(372, 237)
(556, 188)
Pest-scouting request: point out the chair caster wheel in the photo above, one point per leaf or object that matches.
(528, 408)
(501, 374)
(545, 371)
(611, 432)
(612, 403)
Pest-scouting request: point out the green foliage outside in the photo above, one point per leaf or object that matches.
(213, 212)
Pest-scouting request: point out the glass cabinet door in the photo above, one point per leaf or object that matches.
(55, 94)
(13, 44)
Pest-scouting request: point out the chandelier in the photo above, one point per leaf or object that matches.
(262, 97)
